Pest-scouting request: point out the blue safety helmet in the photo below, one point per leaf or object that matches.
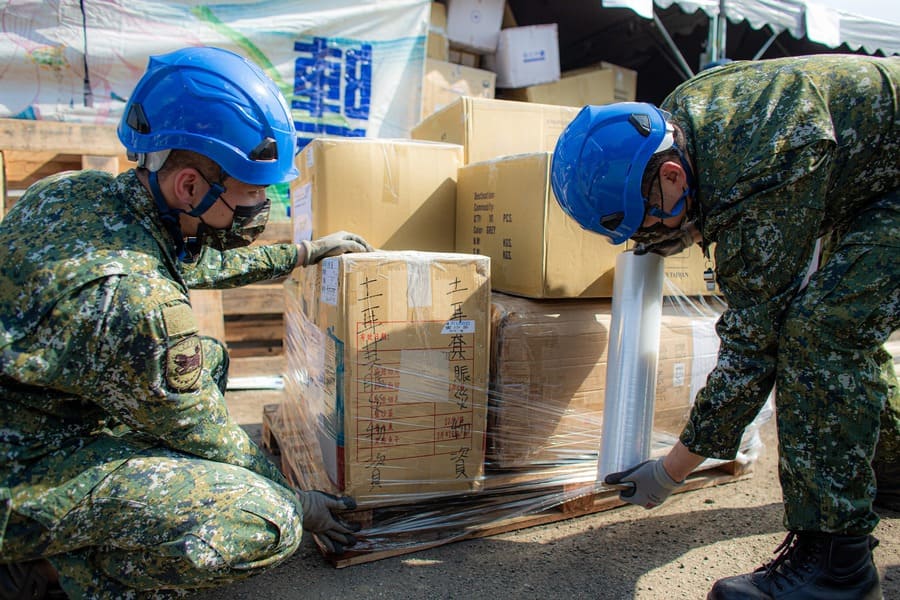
(218, 104)
(599, 162)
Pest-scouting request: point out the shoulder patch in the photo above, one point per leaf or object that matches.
(179, 320)
(184, 363)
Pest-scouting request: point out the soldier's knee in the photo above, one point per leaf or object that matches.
(259, 531)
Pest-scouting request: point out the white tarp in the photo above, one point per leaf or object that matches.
(347, 67)
(872, 25)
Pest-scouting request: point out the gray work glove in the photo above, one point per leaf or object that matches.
(319, 518)
(646, 484)
(673, 243)
(333, 244)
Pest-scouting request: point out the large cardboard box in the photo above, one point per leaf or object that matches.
(548, 377)
(526, 56)
(387, 356)
(489, 128)
(397, 194)
(506, 209)
(625, 80)
(689, 273)
(594, 87)
(475, 24)
(445, 82)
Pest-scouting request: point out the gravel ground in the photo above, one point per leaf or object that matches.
(674, 551)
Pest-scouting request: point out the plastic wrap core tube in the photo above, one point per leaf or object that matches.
(631, 362)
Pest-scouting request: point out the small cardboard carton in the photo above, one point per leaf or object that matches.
(489, 128)
(506, 210)
(526, 56)
(475, 24)
(387, 360)
(397, 194)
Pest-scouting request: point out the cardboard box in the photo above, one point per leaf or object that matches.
(595, 87)
(689, 273)
(475, 24)
(526, 56)
(387, 356)
(445, 82)
(625, 79)
(397, 194)
(506, 209)
(548, 377)
(438, 45)
(490, 128)
(464, 58)
(438, 17)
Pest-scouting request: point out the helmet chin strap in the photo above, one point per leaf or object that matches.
(170, 216)
(657, 211)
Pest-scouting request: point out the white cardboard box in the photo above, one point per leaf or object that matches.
(474, 24)
(526, 56)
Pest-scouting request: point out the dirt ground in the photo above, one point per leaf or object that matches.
(672, 552)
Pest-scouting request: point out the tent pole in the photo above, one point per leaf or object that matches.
(712, 42)
(765, 46)
(687, 72)
(722, 27)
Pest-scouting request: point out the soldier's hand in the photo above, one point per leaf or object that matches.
(319, 517)
(333, 244)
(647, 484)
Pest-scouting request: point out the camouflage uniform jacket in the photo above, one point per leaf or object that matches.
(99, 352)
(784, 151)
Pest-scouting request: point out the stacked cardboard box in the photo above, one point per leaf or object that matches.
(506, 210)
(548, 374)
(397, 194)
(526, 56)
(445, 82)
(387, 357)
(489, 128)
(438, 43)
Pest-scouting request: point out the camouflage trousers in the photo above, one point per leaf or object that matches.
(836, 390)
(164, 523)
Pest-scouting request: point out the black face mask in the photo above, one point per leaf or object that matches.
(657, 232)
(248, 223)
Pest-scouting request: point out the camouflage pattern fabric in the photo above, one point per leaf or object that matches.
(788, 151)
(116, 444)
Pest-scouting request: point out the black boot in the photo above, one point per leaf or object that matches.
(814, 566)
(28, 581)
(887, 478)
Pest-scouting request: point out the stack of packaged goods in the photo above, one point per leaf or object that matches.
(454, 381)
(476, 49)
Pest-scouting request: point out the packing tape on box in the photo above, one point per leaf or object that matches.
(632, 362)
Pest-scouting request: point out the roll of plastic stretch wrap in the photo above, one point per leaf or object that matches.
(631, 362)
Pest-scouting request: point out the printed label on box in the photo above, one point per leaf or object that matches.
(330, 272)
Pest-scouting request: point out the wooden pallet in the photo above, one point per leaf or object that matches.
(558, 493)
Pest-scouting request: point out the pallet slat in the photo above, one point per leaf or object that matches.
(256, 299)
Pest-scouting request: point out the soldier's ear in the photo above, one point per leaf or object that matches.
(188, 188)
(672, 172)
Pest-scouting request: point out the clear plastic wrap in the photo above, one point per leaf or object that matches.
(633, 361)
(450, 411)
